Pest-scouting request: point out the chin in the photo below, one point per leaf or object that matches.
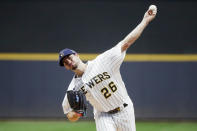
(74, 67)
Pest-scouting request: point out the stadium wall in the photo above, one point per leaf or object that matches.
(161, 86)
(93, 27)
(35, 89)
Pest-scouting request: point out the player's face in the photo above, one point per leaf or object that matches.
(71, 62)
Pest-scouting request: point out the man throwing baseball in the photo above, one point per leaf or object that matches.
(101, 83)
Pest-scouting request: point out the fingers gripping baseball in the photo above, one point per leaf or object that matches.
(152, 10)
(150, 13)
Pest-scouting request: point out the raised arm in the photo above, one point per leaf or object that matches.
(134, 34)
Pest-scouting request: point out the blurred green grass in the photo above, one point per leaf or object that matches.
(90, 126)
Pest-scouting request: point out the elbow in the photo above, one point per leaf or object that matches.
(127, 44)
(125, 47)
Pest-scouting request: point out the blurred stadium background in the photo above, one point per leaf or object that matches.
(160, 70)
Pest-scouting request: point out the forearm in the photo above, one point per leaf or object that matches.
(133, 35)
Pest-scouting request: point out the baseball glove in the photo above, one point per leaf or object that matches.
(77, 101)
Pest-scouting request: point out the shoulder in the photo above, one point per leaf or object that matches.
(115, 51)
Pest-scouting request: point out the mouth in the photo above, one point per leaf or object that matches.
(72, 66)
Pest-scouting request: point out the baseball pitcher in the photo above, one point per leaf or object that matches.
(100, 81)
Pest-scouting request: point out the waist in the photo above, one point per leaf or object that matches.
(118, 109)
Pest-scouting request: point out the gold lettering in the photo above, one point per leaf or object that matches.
(96, 79)
(90, 84)
(83, 90)
(101, 77)
(107, 76)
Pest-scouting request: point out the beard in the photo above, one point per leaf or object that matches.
(74, 67)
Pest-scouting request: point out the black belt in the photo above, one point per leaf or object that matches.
(116, 110)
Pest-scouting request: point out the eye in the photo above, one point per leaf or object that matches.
(70, 56)
(67, 57)
(65, 60)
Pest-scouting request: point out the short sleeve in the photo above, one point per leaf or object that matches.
(113, 57)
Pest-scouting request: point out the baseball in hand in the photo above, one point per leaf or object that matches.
(152, 10)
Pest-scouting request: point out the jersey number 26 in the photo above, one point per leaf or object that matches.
(105, 90)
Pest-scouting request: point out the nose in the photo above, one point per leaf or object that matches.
(67, 61)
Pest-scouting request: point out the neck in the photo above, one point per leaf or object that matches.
(81, 69)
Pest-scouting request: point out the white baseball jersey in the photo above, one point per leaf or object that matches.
(102, 84)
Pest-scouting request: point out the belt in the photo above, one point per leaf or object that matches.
(116, 110)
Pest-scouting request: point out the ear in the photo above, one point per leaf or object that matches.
(76, 55)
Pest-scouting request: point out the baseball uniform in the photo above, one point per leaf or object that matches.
(105, 90)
